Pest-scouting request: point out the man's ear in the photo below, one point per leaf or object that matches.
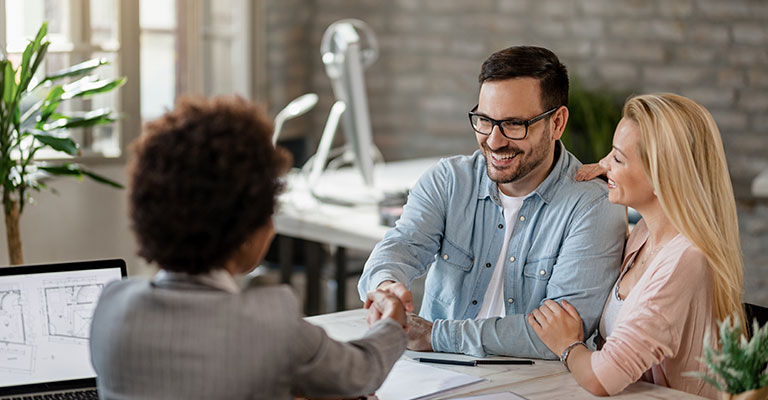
(558, 121)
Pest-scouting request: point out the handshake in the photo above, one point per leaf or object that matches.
(394, 300)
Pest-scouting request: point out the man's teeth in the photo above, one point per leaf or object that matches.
(502, 157)
(611, 182)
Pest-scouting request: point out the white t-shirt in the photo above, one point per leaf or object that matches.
(493, 301)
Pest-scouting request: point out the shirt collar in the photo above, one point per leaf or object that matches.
(545, 190)
(217, 279)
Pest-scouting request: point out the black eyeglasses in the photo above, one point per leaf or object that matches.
(512, 129)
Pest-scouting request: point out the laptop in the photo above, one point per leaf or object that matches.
(45, 321)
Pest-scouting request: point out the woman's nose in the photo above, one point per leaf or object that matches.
(604, 163)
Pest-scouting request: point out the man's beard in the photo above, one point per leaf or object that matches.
(523, 163)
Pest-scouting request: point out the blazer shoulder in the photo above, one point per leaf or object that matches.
(124, 287)
(279, 299)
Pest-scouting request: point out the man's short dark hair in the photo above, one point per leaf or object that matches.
(204, 178)
(530, 62)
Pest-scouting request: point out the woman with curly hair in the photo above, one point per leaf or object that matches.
(204, 180)
(682, 268)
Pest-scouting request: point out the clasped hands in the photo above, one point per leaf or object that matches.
(394, 300)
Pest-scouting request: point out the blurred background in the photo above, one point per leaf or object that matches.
(419, 89)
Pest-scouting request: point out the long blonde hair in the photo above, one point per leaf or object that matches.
(682, 154)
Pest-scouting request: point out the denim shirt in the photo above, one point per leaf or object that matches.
(566, 244)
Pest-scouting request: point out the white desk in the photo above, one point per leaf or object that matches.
(543, 380)
(302, 216)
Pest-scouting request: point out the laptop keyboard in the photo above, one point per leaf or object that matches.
(78, 395)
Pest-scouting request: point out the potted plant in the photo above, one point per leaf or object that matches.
(739, 369)
(593, 116)
(30, 121)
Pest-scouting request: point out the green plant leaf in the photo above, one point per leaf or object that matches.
(16, 117)
(51, 104)
(38, 60)
(41, 32)
(87, 87)
(32, 48)
(37, 49)
(67, 169)
(9, 84)
(739, 364)
(78, 69)
(593, 116)
(75, 170)
(29, 105)
(25, 59)
(101, 179)
(63, 144)
(101, 116)
(2, 85)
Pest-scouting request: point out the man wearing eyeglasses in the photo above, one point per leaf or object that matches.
(506, 228)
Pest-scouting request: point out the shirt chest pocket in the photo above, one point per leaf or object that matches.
(540, 269)
(455, 257)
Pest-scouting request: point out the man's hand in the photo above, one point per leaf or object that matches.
(399, 290)
(557, 326)
(419, 333)
(381, 304)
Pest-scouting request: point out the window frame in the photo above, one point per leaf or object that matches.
(193, 46)
(126, 50)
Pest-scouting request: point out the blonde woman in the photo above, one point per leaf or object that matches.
(682, 268)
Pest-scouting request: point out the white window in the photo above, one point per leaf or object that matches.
(201, 47)
(78, 30)
(164, 47)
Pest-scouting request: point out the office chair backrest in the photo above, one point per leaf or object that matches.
(754, 311)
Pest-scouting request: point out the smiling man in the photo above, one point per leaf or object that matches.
(505, 228)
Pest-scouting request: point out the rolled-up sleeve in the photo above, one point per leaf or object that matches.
(632, 349)
(586, 267)
(408, 249)
(651, 331)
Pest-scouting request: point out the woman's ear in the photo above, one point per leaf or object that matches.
(252, 251)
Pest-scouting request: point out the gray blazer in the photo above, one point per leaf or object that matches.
(183, 339)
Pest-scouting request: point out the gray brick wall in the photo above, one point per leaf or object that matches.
(714, 51)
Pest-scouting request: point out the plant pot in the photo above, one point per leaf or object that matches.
(757, 394)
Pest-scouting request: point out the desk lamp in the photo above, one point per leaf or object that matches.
(298, 106)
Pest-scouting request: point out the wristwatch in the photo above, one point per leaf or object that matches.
(564, 356)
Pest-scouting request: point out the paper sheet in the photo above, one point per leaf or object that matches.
(494, 396)
(413, 380)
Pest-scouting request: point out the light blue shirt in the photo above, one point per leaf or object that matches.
(567, 244)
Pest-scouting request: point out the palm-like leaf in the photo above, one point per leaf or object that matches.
(83, 68)
(75, 170)
(30, 119)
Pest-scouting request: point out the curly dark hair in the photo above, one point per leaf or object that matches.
(204, 177)
(530, 62)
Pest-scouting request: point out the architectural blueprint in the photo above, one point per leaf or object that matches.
(45, 321)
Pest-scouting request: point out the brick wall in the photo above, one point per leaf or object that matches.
(714, 51)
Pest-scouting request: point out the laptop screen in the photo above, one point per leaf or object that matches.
(45, 320)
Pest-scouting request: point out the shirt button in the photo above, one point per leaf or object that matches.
(542, 272)
(474, 302)
(487, 265)
(522, 218)
(510, 300)
(511, 259)
(501, 226)
(445, 256)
